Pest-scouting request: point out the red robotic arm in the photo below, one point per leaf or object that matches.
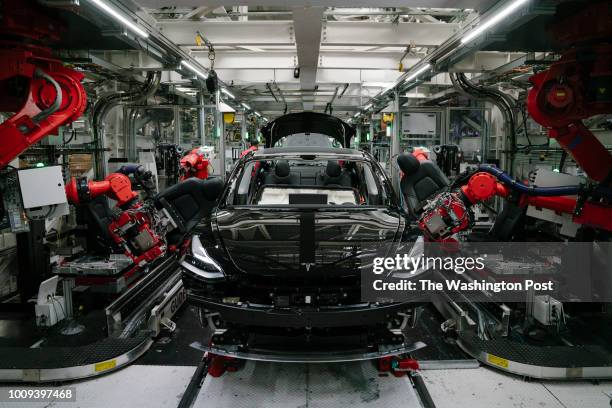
(195, 164)
(116, 186)
(572, 89)
(578, 86)
(131, 229)
(448, 213)
(42, 92)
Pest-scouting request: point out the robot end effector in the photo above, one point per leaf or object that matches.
(449, 212)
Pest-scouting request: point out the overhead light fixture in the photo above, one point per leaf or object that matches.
(246, 106)
(225, 108)
(503, 13)
(194, 69)
(367, 107)
(357, 114)
(228, 93)
(258, 114)
(418, 72)
(132, 26)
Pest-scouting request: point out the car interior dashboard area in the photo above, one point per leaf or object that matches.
(279, 195)
(293, 182)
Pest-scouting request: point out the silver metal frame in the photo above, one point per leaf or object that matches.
(298, 357)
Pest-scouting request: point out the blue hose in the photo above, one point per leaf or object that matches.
(524, 189)
(128, 169)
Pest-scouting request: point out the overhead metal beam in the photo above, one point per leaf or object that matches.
(484, 61)
(472, 4)
(333, 76)
(387, 34)
(287, 60)
(335, 33)
(234, 33)
(308, 23)
(198, 13)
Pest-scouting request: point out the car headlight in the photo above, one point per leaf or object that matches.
(200, 263)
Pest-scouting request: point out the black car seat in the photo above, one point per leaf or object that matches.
(187, 203)
(282, 175)
(422, 180)
(334, 175)
(98, 215)
(509, 223)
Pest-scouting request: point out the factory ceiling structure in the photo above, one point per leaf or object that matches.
(316, 55)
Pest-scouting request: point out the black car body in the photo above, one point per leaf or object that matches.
(277, 264)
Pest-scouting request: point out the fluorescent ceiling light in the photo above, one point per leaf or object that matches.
(503, 13)
(119, 17)
(258, 114)
(246, 106)
(414, 75)
(228, 93)
(368, 106)
(225, 108)
(357, 114)
(194, 69)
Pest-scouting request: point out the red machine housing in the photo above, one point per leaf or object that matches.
(30, 79)
(574, 88)
(194, 164)
(116, 186)
(131, 230)
(578, 86)
(483, 186)
(445, 216)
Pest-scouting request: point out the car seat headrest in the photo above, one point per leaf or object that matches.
(408, 163)
(282, 168)
(333, 169)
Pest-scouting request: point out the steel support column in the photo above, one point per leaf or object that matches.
(220, 133)
(202, 118)
(308, 23)
(371, 130)
(243, 125)
(395, 139)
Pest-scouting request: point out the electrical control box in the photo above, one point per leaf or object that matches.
(42, 192)
(547, 310)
